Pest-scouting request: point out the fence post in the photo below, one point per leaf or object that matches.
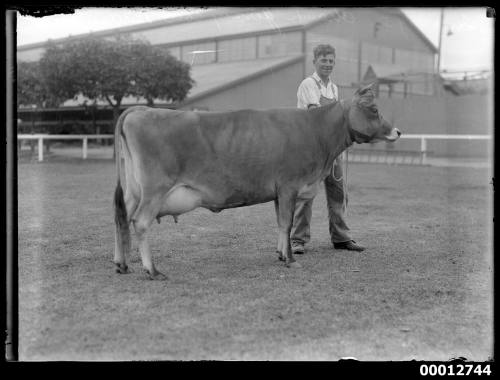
(85, 139)
(40, 149)
(423, 150)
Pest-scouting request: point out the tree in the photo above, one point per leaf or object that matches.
(32, 91)
(31, 87)
(159, 75)
(109, 70)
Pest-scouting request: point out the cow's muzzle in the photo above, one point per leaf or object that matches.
(394, 135)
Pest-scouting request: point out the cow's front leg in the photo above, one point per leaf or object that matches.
(286, 210)
(279, 248)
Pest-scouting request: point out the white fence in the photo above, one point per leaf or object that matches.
(423, 141)
(42, 137)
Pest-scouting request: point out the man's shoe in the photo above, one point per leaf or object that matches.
(349, 245)
(298, 249)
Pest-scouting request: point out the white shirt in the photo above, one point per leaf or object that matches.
(310, 93)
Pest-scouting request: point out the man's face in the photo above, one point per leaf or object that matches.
(324, 64)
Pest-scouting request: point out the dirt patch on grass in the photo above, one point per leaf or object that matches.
(421, 290)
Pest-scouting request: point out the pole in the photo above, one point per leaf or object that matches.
(423, 151)
(40, 149)
(85, 145)
(440, 40)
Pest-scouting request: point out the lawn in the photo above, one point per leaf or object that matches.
(423, 289)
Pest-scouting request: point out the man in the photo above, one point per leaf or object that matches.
(315, 91)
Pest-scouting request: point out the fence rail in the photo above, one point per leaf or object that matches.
(422, 137)
(84, 138)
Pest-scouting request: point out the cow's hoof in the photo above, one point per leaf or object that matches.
(122, 269)
(157, 276)
(293, 264)
(280, 256)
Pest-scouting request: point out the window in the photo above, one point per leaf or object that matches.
(237, 49)
(278, 45)
(197, 54)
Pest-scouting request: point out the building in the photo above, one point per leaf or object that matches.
(256, 57)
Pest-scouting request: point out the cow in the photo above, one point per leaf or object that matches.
(176, 161)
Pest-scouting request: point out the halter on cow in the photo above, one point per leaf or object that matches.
(176, 161)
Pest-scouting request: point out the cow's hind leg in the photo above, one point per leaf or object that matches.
(286, 209)
(122, 233)
(143, 218)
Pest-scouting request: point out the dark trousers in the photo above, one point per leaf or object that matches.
(336, 199)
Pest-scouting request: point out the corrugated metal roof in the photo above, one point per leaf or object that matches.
(219, 23)
(252, 22)
(214, 77)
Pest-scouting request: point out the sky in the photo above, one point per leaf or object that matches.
(467, 42)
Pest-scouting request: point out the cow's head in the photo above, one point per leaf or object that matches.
(366, 123)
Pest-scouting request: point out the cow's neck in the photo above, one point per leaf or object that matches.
(336, 134)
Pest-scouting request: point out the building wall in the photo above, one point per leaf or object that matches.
(365, 36)
(275, 89)
(469, 115)
(392, 31)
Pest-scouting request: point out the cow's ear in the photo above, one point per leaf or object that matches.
(365, 89)
(365, 94)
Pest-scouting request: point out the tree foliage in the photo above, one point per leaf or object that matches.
(109, 70)
(31, 87)
(156, 74)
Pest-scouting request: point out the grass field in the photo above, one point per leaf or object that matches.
(422, 290)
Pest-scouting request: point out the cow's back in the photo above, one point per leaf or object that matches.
(232, 157)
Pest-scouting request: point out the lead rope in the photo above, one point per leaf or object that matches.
(346, 156)
(346, 165)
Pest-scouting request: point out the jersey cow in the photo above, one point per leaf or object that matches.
(176, 161)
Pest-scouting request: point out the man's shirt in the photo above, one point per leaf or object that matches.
(310, 93)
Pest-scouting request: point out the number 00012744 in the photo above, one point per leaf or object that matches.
(455, 369)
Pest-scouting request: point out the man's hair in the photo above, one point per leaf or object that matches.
(323, 50)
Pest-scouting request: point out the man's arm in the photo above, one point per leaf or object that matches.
(307, 94)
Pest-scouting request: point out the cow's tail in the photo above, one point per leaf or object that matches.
(121, 219)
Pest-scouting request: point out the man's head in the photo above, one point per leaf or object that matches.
(324, 60)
